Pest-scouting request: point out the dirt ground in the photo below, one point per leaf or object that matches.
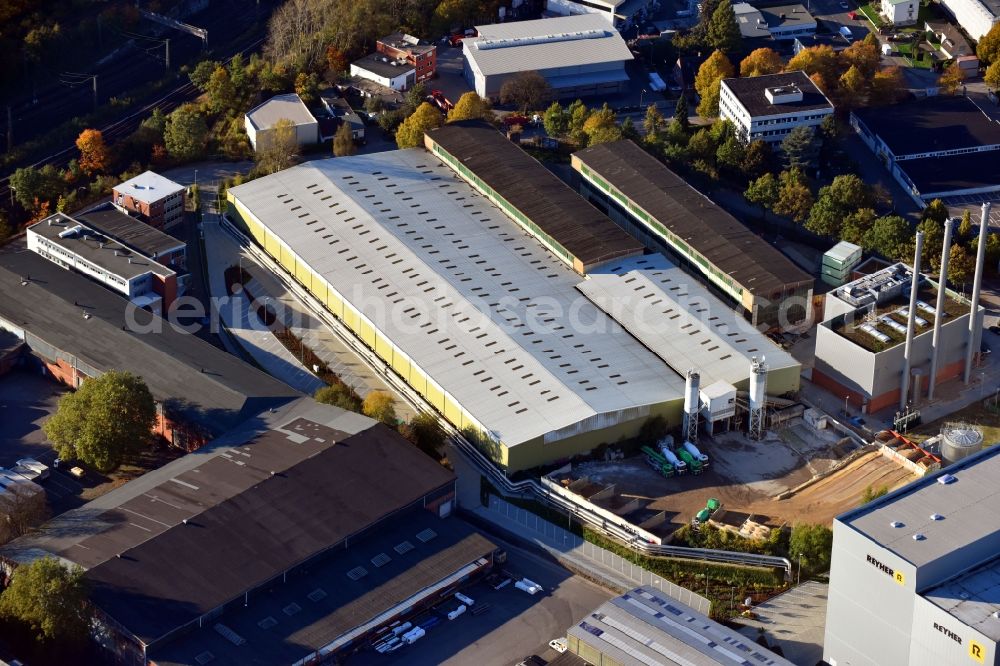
(746, 476)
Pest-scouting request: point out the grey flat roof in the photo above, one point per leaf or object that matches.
(148, 187)
(677, 318)
(382, 65)
(970, 506)
(697, 220)
(476, 303)
(130, 232)
(750, 93)
(269, 497)
(288, 106)
(196, 382)
(972, 598)
(343, 604)
(931, 125)
(644, 626)
(100, 250)
(954, 172)
(751, 21)
(404, 42)
(565, 41)
(787, 16)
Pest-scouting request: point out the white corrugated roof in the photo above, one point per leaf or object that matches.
(676, 317)
(289, 106)
(148, 187)
(567, 41)
(479, 305)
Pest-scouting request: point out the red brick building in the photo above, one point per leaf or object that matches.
(157, 201)
(419, 53)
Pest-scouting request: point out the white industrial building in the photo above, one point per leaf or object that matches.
(580, 56)
(498, 334)
(260, 120)
(915, 575)
(977, 17)
(769, 107)
(395, 73)
(900, 12)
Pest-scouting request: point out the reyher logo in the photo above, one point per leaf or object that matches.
(949, 633)
(896, 575)
(977, 652)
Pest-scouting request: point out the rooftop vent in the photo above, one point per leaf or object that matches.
(896, 524)
(937, 516)
(783, 94)
(945, 479)
(996, 614)
(918, 537)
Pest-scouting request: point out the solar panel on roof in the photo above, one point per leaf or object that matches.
(381, 560)
(426, 535)
(357, 573)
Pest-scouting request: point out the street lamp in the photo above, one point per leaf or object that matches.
(642, 94)
(845, 405)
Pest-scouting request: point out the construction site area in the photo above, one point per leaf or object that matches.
(796, 472)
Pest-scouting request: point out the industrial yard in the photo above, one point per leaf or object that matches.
(746, 477)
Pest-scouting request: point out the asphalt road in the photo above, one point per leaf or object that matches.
(515, 626)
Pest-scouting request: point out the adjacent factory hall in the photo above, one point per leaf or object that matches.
(540, 335)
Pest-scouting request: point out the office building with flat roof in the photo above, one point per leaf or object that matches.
(663, 211)
(499, 335)
(579, 56)
(769, 107)
(915, 574)
(154, 199)
(137, 236)
(644, 626)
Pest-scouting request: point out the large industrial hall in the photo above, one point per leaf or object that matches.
(496, 333)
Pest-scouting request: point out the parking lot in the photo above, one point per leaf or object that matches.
(515, 625)
(27, 399)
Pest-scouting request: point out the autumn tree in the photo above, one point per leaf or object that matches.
(965, 226)
(708, 80)
(220, 90)
(340, 395)
(202, 72)
(425, 432)
(930, 258)
(723, 32)
(278, 147)
(93, 152)
(794, 196)
(186, 133)
(343, 141)
(888, 87)
(411, 132)
(336, 61)
(988, 48)
(992, 75)
(852, 88)
(961, 266)
(817, 60)
(760, 62)
(950, 79)
(49, 600)
(935, 210)
(108, 419)
(526, 91)
(578, 114)
(555, 120)
(864, 55)
(307, 87)
(758, 159)
(601, 127)
(381, 406)
(470, 106)
(653, 123)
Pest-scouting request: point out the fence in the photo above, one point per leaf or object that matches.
(565, 542)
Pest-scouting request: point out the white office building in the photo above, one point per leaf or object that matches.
(900, 12)
(769, 107)
(976, 17)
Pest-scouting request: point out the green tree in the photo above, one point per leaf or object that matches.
(800, 147)
(600, 126)
(857, 224)
(707, 81)
(578, 114)
(186, 133)
(992, 250)
(935, 210)
(202, 72)
(277, 148)
(731, 155)
(411, 132)
(845, 195)
(527, 91)
(49, 600)
(106, 420)
(961, 266)
(723, 32)
(871, 493)
(340, 395)
(888, 236)
(220, 90)
(794, 196)
(965, 226)
(343, 141)
(415, 96)
(813, 543)
(628, 130)
(988, 48)
(471, 106)
(758, 159)
(555, 120)
(653, 123)
(381, 406)
(157, 122)
(763, 191)
(681, 113)
(425, 432)
(933, 239)
(307, 87)
(41, 185)
(760, 62)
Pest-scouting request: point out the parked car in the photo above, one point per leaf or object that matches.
(558, 644)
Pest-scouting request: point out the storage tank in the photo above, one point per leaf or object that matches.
(960, 441)
(692, 404)
(672, 458)
(696, 454)
(758, 397)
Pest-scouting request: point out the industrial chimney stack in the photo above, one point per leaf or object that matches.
(911, 322)
(977, 282)
(691, 406)
(939, 310)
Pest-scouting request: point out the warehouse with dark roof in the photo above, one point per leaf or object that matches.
(531, 195)
(299, 531)
(660, 208)
(936, 148)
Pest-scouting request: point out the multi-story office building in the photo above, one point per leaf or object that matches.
(769, 107)
(157, 201)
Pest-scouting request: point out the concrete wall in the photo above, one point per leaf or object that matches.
(869, 612)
